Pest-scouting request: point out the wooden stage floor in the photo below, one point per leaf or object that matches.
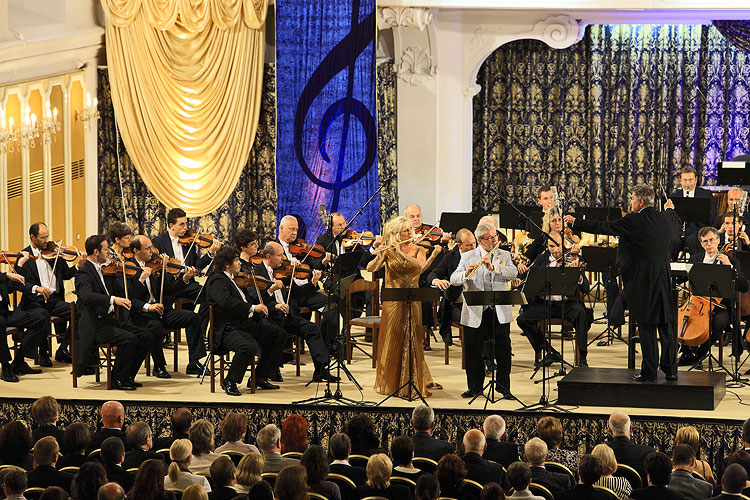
(57, 381)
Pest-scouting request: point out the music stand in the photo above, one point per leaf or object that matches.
(693, 209)
(511, 219)
(409, 295)
(744, 260)
(451, 222)
(598, 213)
(493, 298)
(733, 173)
(602, 260)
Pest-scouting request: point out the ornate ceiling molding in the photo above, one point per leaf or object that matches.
(404, 17)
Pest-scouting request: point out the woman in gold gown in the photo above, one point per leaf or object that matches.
(404, 262)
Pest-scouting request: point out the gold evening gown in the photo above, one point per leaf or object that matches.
(393, 352)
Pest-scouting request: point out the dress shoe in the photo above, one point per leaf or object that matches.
(685, 360)
(167, 339)
(639, 377)
(671, 377)
(505, 393)
(23, 368)
(122, 385)
(90, 370)
(134, 383)
(230, 387)
(582, 363)
(45, 361)
(194, 368)
(263, 383)
(276, 376)
(468, 393)
(8, 375)
(323, 376)
(161, 372)
(63, 355)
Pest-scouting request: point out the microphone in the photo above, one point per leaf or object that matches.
(322, 210)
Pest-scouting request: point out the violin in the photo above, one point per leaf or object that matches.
(11, 258)
(244, 280)
(284, 271)
(570, 239)
(68, 254)
(172, 266)
(115, 268)
(432, 234)
(202, 240)
(351, 238)
(301, 247)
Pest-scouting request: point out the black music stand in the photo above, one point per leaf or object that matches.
(493, 298)
(598, 213)
(734, 173)
(510, 218)
(451, 222)
(603, 260)
(697, 210)
(744, 260)
(409, 295)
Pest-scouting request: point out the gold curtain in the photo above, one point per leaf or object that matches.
(186, 79)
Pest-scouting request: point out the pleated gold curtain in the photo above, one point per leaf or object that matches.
(186, 79)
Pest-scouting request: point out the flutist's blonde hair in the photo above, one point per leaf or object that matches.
(392, 230)
(552, 213)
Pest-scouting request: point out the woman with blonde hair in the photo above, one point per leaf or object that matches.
(689, 435)
(248, 472)
(179, 476)
(195, 492)
(404, 261)
(619, 485)
(378, 484)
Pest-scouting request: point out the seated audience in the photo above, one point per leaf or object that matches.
(233, 430)
(365, 440)
(519, 479)
(378, 483)
(741, 457)
(682, 479)
(732, 483)
(402, 453)
(425, 445)
(589, 472)
(492, 491)
(549, 430)
(194, 492)
(658, 470)
(223, 476)
(87, 481)
(501, 452)
(180, 421)
(261, 491)
(140, 439)
(315, 462)
(248, 472)
(54, 493)
(427, 488)
(202, 436)
(149, 482)
(268, 441)
(46, 412)
(46, 451)
(111, 491)
(77, 438)
(14, 484)
(619, 485)
(450, 473)
(689, 435)
(113, 418)
(15, 445)
(339, 448)
(535, 453)
(178, 475)
(294, 434)
(477, 468)
(626, 452)
(112, 456)
(291, 483)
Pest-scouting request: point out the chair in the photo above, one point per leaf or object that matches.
(270, 477)
(461, 343)
(164, 452)
(472, 485)
(545, 326)
(223, 362)
(132, 470)
(96, 454)
(630, 474)
(367, 322)
(425, 464)
(236, 456)
(560, 469)
(539, 490)
(292, 454)
(405, 481)
(171, 345)
(696, 475)
(104, 358)
(359, 460)
(316, 496)
(612, 495)
(71, 468)
(33, 493)
(176, 492)
(346, 485)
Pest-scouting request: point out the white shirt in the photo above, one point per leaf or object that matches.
(292, 258)
(709, 260)
(554, 263)
(242, 295)
(151, 299)
(277, 295)
(688, 194)
(177, 248)
(98, 268)
(46, 278)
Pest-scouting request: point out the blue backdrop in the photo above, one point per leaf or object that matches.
(325, 53)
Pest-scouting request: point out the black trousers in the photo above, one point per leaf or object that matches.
(575, 312)
(34, 323)
(650, 350)
(132, 344)
(61, 309)
(719, 322)
(474, 340)
(172, 318)
(310, 332)
(195, 333)
(245, 344)
(329, 321)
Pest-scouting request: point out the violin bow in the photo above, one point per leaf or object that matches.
(257, 289)
(291, 282)
(5, 258)
(163, 272)
(192, 244)
(195, 302)
(54, 266)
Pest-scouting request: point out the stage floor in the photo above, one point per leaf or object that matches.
(57, 381)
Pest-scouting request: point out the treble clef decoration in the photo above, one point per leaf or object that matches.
(342, 57)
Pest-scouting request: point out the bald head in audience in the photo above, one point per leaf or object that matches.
(474, 442)
(113, 415)
(619, 425)
(111, 491)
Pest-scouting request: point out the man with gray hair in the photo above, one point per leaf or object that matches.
(140, 439)
(501, 452)
(535, 453)
(268, 442)
(423, 423)
(486, 268)
(626, 452)
(643, 255)
(478, 468)
(110, 491)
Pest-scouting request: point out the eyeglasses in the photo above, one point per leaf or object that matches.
(709, 240)
(493, 237)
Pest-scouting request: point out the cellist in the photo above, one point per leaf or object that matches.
(721, 317)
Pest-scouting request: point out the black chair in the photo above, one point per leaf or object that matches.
(270, 478)
(346, 485)
(612, 495)
(292, 454)
(176, 492)
(472, 489)
(316, 496)
(236, 456)
(630, 474)
(425, 464)
(405, 481)
(541, 491)
(359, 460)
(33, 493)
(561, 469)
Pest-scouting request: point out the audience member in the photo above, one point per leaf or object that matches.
(15, 445)
(140, 440)
(261, 491)
(233, 430)
(732, 483)
(682, 479)
(658, 470)
(315, 462)
(87, 481)
(194, 492)
(425, 445)
(549, 430)
(294, 434)
(626, 452)
(46, 412)
(111, 491)
(451, 473)
(149, 482)
(378, 483)
(76, 438)
(223, 476)
(589, 472)
(477, 468)
(402, 453)
(502, 452)
(268, 440)
(44, 474)
(180, 421)
(112, 455)
(519, 479)
(339, 448)
(202, 436)
(741, 457)
(619, 485)
(535, 453)
(113, 419)
(14, 484)
(54, 493)
(291, 484)
(249, 472)
(492, 491)
(364, 440)
(427, 488)
(178, 474)
(689, 435)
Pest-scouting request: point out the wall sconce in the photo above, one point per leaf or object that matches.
(88, 113)
(50, 126)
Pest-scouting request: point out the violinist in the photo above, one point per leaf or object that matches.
(733, 234)
(545, 197)
(241, 326)
(120, 234)
(721, 317)
(98, 297)
(48, 290)
(689, 189)
(575, 310)
(552, 221)
(734, 195)
(153, 314)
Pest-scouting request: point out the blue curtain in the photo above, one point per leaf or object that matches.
(327, 142)
(627, 104)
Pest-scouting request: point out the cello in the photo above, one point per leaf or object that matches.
(693, 320)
